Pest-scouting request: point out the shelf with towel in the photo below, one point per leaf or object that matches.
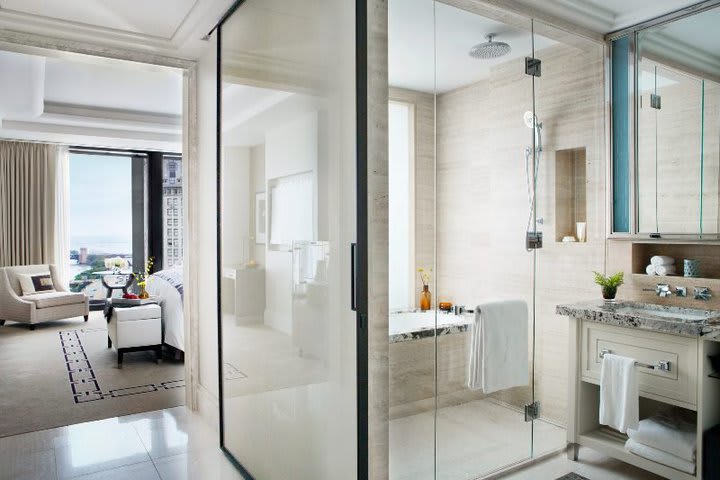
(663, 365)
(707, 253)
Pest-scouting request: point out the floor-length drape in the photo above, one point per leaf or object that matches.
(28, 186)
(62, 206)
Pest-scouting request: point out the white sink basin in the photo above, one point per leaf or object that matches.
(677, 314)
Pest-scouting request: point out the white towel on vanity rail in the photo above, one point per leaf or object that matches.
(658, 260)
(658, 456)
(619, 394)
(673, 432)
(499, 346)
(650, 270)
(665, 269)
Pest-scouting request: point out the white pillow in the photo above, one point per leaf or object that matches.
(27, 285)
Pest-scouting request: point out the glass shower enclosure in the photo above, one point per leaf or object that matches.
(507, 203)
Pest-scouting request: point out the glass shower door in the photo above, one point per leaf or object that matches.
(287, 182)
(487, 157)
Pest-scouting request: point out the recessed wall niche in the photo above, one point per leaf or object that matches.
(570, 191)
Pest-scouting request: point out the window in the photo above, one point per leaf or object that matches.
(291, 209)
(401, 207)
(100, 217)
(172, 192)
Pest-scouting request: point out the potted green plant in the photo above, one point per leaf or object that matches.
(609, 284)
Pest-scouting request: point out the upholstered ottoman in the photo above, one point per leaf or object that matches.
(133, 329)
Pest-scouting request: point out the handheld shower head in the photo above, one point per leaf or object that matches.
(531, 121)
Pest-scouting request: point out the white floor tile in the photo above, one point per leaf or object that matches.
(591, 464)
(173, 435)
(28, 466)
(208, 465)
(97, 446)
(139, 471)
(473, 439)
(30, 442)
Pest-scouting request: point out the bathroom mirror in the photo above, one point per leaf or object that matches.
(678, 126)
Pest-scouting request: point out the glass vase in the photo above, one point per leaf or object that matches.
(425, 298)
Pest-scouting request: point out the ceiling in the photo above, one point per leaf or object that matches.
(429, 41)
(604, 16)
(692, 42)
(250, 112)
(157, 18)
(73, 101)
(169, 27)
(177, 27)
(439, 38)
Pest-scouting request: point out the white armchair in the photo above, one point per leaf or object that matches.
(39, 307)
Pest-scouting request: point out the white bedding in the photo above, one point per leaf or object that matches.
(171, 302)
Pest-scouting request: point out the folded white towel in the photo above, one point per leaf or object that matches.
(619, 394)
(665, 269)
(673, 432)
(499, 346)
(659, 456)
(658, 260)
(650, 269)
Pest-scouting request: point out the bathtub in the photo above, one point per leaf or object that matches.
(405, 326)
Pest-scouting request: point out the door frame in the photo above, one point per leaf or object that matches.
(32, 44)
(360, 280)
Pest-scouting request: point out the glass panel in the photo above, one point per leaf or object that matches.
(678, 126)
(486, 150)
(621, 88)
(711, 157)
(571, 190)
(412, 239)
(287, 221)
(669, 149)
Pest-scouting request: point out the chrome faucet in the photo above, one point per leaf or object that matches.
(663, 290)
(702, 293)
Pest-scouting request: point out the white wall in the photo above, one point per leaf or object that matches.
(257, 184)
(236, 205)
(401, 209)
(290, 149)
(207, 238)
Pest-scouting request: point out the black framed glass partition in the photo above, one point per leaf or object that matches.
(291, 205)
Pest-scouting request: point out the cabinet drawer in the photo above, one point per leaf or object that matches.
(677, 385)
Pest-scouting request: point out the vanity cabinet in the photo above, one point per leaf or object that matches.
(683, 380)
(675, 386)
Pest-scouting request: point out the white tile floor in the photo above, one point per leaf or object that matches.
(175, 444)
(473, 439)
(591, 465)
(172, 444)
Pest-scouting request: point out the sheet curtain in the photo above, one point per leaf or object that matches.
(28, 213)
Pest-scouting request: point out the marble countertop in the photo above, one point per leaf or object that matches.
(617, 314)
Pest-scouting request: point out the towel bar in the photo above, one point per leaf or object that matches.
(662, 365)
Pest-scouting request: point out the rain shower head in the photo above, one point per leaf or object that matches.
(489, 49)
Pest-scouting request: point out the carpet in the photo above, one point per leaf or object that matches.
(63, 373)
(571, 476)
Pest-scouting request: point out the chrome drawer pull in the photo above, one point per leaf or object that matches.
(662, 365)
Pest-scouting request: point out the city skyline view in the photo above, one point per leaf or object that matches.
(100, 210)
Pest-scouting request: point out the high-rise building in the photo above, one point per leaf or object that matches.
(172, 211)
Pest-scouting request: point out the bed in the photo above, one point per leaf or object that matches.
(167, 285)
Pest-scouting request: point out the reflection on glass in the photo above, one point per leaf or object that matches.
(678, 132)
(495, 154)
(287, 221)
